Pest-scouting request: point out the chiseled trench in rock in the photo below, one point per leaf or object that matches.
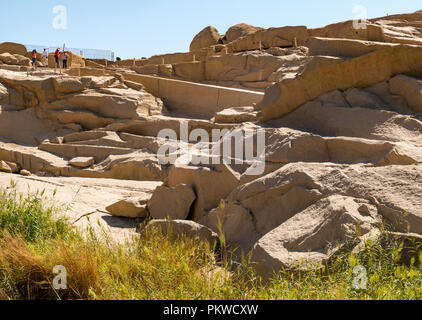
(341, 116)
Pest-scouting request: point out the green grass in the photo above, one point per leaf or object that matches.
(27, 216)
(33, 240)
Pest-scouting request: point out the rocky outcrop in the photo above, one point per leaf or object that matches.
(378, 185)
(343, 47)
(87, 100)
(209, 36)
(365, 71)
(327, 119)
(341, 120)
(273, 37)
(130, 208)
(13, 48)
(251, 66)
(285, 197)
(309, 239)
(240, 30)
(410, 89)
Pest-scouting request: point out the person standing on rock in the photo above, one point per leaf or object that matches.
(65, 57)
(56, 57)
(45, 58)
(34, 57)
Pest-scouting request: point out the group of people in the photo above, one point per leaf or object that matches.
(63, 56)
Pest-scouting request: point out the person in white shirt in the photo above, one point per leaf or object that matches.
(44, 58)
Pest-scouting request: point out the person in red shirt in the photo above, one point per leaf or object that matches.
(56, 56)
(34, 57)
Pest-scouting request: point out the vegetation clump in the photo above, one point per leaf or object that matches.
(34, 238)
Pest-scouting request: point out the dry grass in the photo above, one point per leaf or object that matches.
(29, 275)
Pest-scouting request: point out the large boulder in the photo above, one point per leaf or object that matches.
(8, 58)
(23, 61)
(409, 88)
(209, 36)
(171, 203)
(82, 162)
(13, 166)
(13, 48)
(25, 173)
(235, 223)
(65, 85)
(240, 30)
(313, 236)
(9, 167)
(4, 167)
(135, 207)
(211, 185)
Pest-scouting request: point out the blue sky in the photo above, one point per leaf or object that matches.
(136, 28)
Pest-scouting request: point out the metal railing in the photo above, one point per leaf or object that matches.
(86, 53)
